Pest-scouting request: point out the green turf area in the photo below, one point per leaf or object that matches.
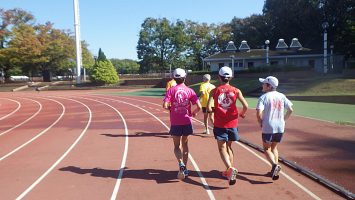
(338, 113)
(246, 85)
(155, 92)
(325, 87)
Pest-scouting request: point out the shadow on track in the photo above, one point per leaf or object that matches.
(158, 175)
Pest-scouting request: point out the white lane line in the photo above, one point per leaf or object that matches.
(125, 152)
(63, 156)
(203, 180)
(40, 134)
(284, 174)
(28, 119)
(18, 107)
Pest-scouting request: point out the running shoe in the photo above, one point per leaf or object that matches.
(224, 174)
(275, 172)
(232, 175)
(181, 174)
(186, 173)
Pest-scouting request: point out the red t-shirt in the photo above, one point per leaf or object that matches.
(225, 109)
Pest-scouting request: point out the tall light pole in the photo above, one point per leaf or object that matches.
(77, 41)
(325, 25)
(267, 42)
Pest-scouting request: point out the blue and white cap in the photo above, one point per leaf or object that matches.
(273, 81)
(225, 72)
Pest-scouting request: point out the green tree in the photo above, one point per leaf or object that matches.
(101, 56)
(125, 66)
(104, 73)
(154, 43)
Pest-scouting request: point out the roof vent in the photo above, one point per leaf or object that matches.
(231, 46)
(281, 45)
(295, 44)
(244, 46)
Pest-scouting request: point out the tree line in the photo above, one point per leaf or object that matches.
(34, 50)
(163, 44)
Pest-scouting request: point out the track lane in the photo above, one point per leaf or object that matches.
(90, 171)
(12, 122)
(23, 168)
(7, 107)
(280, 185)
(157, 165)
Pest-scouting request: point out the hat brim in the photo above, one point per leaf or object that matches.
(262, 80)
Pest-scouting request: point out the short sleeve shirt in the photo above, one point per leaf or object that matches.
(180, 97)
(225, 108)
(273, 105)
(206, 89)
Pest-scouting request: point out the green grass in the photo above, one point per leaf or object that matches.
(326, 87)
(244, 84)
(337, 113)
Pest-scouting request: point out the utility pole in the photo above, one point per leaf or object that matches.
(77, 41)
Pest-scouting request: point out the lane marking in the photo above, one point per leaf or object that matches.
(203, 180)
(284, 174)
(63, 156)
(18, 107)
(125, 152)
(40, 134)
(28, 119)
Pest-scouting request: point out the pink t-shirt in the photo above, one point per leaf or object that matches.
(180, 98)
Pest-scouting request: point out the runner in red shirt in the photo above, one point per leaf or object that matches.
(226, 119)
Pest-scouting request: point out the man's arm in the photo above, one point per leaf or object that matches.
(259, 115)
(288, 113)
(197, 109)
(244, 104)
(166, 105)
(210, 101)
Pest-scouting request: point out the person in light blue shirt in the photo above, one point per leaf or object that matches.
(271, 117)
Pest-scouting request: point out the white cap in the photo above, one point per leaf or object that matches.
(179, 73)
(270, 80)
(206, 77)
(225, 72)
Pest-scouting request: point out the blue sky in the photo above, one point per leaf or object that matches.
(113, 25)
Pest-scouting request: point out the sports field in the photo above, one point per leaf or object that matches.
(114, 144)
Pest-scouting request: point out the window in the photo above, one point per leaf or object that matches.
(250, 64)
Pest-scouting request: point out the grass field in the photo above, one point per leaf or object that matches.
(337, 113)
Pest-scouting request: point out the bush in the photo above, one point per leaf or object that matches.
(104, 73)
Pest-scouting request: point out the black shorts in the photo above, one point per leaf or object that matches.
(181, 130)
(272, 137)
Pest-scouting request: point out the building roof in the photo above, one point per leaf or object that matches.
(260, 53)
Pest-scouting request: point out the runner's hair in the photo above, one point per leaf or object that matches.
(179, 80)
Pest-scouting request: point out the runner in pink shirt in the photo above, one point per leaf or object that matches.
(178, 100)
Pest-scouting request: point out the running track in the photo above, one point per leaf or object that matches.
(82, 145)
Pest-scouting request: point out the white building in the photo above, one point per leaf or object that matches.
(294, 55)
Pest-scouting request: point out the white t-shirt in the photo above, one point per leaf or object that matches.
(273, 105)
